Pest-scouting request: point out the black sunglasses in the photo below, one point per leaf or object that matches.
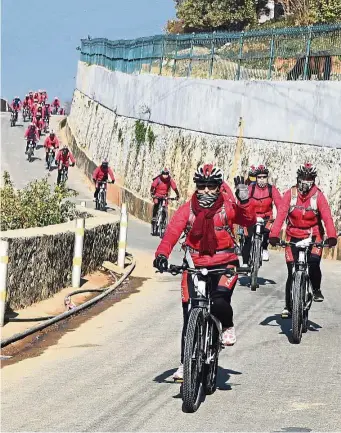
(209, 186)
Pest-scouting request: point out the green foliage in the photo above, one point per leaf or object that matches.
(140, 133)
(231, 15)
(151, 138)
(207, 15)
(36, 205)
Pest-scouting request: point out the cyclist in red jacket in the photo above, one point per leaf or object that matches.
(31, 133)
(66, 159)
(101, 173)
(304, 206)
(262, 197)
(207, 220)
(160, 189)
(51, 142)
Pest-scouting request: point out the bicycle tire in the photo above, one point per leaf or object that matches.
(256, 263)
(193, 374)
(211, 369)
(163, 224)
(305, 308)
(297, 306)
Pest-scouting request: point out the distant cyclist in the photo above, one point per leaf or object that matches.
(304, 207)
(252, 175)
(100, 174)
(263, 196)
(160, 188)
(66, 159)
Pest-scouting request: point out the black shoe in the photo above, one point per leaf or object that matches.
(318, 297)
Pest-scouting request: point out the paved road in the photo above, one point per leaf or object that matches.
(113, 372)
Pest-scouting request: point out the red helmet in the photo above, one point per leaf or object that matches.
(307, 171)
(261, 169)
(252, 170)
(208, 173)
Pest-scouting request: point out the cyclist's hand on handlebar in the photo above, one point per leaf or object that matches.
(260, 220)
(331, 242)
(274, 241)
(177, 198)
(161, 263)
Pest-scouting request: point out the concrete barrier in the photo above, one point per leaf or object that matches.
(40, 259)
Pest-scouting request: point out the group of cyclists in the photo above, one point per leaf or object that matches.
(208, 221)
(37, 109)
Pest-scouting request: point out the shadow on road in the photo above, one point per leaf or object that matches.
(224, 376)
(285, 325)
(245, 281)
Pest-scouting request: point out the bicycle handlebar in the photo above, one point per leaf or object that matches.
(175, 270)
(316, 244)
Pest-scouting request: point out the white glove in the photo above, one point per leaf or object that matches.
(260, 220)
(304, 242)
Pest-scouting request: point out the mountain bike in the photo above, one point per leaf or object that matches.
(301, 288)
(101, 199)
(255, 261)
(203, 341)
(50, 158)
(25, 113)
(14, 118)
(63, 174)
(161, 220)
(30, 150)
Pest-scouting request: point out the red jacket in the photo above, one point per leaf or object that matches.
(56, 103)
(227, 190)
(301, 222)
(262, 202)
(99, 174)
(32, 135)
(234, 214)
(65, 160)
(159, 188)
(51, 143)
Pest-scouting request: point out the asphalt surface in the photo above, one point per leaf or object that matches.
(113, 373)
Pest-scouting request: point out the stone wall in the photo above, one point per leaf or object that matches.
(299, 111)
(40, 259)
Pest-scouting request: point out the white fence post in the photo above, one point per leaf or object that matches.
(122, 243)
(3, 279)
(78, 253)
(83, 203)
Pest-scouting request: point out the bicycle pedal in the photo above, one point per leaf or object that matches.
(178, 380)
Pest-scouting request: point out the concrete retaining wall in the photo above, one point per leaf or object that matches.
(298, 112)
(40, 259)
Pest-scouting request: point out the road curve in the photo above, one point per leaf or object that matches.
(113, 372)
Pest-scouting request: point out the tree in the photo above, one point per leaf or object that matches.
(209, 15)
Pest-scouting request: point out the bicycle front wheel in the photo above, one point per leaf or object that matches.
(193, 361)
(256, 263)
(211, 361)
(298, 290)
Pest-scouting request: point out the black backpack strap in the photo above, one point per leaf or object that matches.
(253, 190)
(270, 190)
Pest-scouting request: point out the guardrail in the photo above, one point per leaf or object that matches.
(276, 54)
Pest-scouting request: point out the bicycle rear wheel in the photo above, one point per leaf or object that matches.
(211, 368)
(193, 361)
(256, 263)
(298, 288)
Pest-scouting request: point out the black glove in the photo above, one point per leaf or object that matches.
(177, 197)
(161, 263)
(73, 164)
(332, 242)
(274, 241)
(242, 190)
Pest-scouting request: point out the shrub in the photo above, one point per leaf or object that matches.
(36, 205)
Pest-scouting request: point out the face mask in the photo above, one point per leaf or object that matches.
(207, 200)
(304, 186)
(262, 182)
